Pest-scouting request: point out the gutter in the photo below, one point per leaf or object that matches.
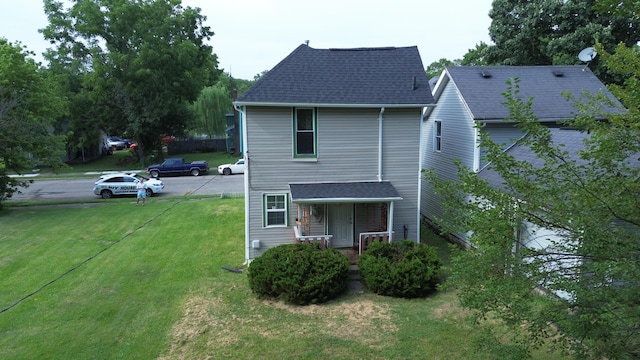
(290, 104)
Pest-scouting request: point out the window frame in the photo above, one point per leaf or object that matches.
(266, 210)
(437, 136)
(314, 131)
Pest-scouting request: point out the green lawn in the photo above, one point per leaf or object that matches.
(116, 281)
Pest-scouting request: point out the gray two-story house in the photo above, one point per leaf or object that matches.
(332, 148)
(470, 99)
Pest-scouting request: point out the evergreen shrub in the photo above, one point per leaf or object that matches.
(299, 274)
(400, 269)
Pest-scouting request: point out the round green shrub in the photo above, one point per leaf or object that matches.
(401, 269)
(299, 274)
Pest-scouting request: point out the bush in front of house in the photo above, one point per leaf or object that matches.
(401, 269)
(299, 274)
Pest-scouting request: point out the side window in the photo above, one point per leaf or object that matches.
(304, 133)
(275, 210)
(437, 136)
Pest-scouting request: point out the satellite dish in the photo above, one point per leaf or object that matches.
(587, 54)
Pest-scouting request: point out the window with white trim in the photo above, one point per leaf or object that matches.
(304, 132)
(437, 136)
(275, 210)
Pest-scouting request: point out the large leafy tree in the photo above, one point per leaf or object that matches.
(590, 199)
(211, 108)
(546, 32)
(29, 102)
(146, 61)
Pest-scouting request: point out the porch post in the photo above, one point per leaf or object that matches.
(390, 221)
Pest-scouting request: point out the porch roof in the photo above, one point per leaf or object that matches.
(338, 192)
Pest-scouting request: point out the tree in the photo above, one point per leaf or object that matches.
(549, 32)
(28, 104)
(475, 56)
(435, 68)
(147, 59)
(592, 202)
(211, 109)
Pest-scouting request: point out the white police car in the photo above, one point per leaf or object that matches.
(124, 184)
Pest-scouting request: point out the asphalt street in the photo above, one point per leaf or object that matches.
(82, 188)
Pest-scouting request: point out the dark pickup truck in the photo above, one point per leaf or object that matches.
(177, 166)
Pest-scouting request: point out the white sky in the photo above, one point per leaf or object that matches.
(254, 35)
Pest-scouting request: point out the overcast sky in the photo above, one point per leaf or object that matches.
(254, 35)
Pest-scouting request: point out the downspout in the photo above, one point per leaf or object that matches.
(421, 156)
(390, 221)
(247, 175)
(380, 144)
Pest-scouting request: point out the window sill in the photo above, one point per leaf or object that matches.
(312, 160)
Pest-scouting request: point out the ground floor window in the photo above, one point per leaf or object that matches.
(275, 209)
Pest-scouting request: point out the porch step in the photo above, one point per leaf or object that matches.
(355, 280)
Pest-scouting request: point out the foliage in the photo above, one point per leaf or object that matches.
(234, 85)
(476, 56)
(435, 68)
(588, 200)
(554, 32)
(29, 101)
(144, 62)
(401, 269)
(211, 108)
(473, 57)
(299, 274)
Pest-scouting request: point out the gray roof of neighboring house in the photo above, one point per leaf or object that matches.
(482, 87)
(571, 139)
(392, 77)
(362, 191)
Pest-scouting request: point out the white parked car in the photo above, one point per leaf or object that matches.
(116, 142)
(124, 184)
(228, 169)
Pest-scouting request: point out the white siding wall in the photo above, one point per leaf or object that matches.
(347, 151)
(458, 142)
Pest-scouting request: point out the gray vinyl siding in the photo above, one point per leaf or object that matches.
(458, 142)
(401, 166)
(347, 151)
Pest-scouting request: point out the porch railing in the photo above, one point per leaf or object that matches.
(324, 241)
(367, 238)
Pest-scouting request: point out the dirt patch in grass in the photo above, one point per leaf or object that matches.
(209, 323)
(357, 316)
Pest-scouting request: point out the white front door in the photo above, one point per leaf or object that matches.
(341, 224)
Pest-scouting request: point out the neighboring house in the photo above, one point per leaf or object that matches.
(332, 147)
(466, 96)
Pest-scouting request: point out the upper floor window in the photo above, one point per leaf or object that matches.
(275, 210)
(304, 130)
(437, 139)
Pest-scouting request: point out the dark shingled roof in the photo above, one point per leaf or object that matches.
(573, 141)
(482, 88)
(365, 191)
(362, 76)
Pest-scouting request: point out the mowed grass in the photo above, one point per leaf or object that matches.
(116, 281)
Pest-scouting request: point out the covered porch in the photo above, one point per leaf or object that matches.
(343, 215)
